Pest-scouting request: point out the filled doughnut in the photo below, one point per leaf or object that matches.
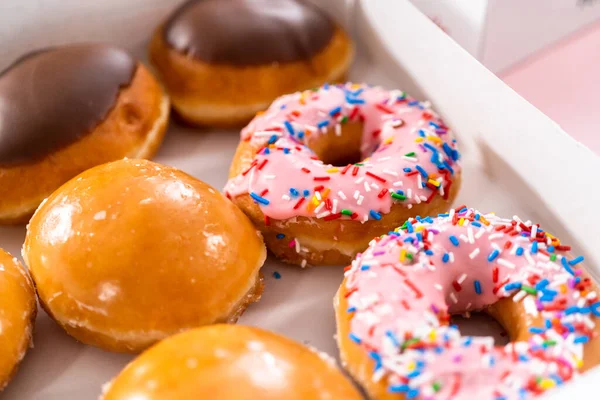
(229, 362)
(17, 313)
(130, 252)
(394, 304)
(66, 109)
(223, 60)
(297, 172)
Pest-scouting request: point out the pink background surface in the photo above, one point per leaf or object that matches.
(563, 81)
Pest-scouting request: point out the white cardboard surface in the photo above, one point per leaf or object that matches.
(501, 33)
(507, 148)
(463, 20)
(515, 29)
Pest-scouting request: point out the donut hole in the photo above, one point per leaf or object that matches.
(339, 148)
(480, 324)
(343, 158)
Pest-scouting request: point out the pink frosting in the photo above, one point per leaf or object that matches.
(410, 155)
(402, 288)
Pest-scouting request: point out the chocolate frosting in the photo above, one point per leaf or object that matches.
(248, 32)
(52, 97)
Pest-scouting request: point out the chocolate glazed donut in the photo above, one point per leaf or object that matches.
(248, 32)
(34, 123)
(223, 60)
(66, 109)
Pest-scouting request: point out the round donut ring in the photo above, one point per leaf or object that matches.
(394, 304)
(297, 174)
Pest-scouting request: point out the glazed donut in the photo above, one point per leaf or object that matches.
(297, 174)
(17, 314)
(224, 60)
(66, 109)
(393, 310)
(130, 252)
(228, 362)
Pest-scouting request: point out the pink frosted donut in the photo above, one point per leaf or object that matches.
(323, 170)
(393, 310)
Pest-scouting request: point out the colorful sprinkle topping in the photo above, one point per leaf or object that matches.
(410, 155)
(463, 260)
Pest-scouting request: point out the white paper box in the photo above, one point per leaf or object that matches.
(501, 33)
(463, 20)
(516, 161)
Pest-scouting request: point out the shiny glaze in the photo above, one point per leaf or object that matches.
(230, 362)
(248, 32)
(401, 290)
(137, 251)
(50, 98)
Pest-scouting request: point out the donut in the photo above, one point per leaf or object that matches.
(130, 252)
(393, 310)
(223, 60)
(230, 362)
(18, 308)
(66, 109)
(297, 172)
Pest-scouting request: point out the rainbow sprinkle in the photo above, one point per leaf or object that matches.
(410, 155)
(400, 312)
(284, 133)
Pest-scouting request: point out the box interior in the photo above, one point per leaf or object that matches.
(516, 161)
